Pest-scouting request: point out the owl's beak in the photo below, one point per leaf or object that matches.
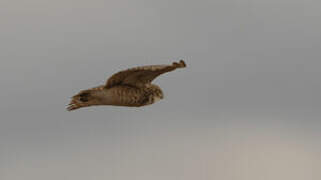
(76, 103)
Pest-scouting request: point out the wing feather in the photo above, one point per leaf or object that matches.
(141, 75)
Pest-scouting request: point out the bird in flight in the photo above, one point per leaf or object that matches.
(131, 87)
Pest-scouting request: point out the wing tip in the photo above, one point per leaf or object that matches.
(180, 64)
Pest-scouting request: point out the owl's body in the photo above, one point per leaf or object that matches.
(131, 88)
(123, 95)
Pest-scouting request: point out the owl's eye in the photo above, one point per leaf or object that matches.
(84, 97)
(84, 94)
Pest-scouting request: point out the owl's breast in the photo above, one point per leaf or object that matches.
(133, 96)
(125, 96)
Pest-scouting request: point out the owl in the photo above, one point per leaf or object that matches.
(132, 88)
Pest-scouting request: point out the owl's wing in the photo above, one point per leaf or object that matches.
(139, 76)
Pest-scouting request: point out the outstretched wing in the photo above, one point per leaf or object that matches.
(142, 75)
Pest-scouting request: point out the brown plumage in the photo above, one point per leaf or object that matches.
(131, 87)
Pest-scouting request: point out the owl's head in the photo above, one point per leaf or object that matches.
(84, 99)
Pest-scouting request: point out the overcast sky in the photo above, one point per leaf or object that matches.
(246, 108)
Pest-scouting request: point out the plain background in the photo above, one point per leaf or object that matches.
(246, 108)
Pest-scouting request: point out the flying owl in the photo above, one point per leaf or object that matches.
(131, 87)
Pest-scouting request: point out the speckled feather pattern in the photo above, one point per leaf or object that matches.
(131, 87)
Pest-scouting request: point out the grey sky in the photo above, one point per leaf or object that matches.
(247, 107)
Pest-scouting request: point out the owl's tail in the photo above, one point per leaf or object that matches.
(180, 64)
